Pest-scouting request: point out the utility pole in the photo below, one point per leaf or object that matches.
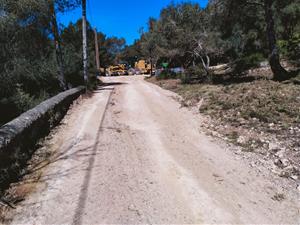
(84, 42)
(97, 50)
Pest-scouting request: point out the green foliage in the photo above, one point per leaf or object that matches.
(288, 24)
(24, 101)
(28, 65)
(248, 62)
(27, 62)
(224, 32)
(167, 74)
(194, 73)
(283, 46)
(132, 53)
(185, 78)
(93, 81)
(291, 48)
(176, 33)
(191, 74)
(19, 102)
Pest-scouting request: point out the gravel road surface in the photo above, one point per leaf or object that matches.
(131, 154)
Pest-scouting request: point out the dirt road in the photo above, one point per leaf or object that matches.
(132, 155)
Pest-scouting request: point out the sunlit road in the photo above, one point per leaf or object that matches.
(130, 155)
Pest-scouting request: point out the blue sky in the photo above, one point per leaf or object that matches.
(120, 18)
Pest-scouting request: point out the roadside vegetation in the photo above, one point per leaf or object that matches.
(39, 57)
(262, 117)
(240, 70)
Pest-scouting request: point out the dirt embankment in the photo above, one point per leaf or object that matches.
(262, 117)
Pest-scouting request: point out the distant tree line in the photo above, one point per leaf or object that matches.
(241, 32)
(39, 57)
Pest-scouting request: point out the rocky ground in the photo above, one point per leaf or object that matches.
(261, 117)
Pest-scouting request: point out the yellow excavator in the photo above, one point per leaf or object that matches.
(117, 70)
(143, 66)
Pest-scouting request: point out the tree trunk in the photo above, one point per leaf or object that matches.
(208, 61)
(84, 43)
(279, 72)
(205, 64)
(97, 51)
(151, 67)
(58, 51)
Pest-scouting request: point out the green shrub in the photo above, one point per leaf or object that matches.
(19, 102)
(184, 78)
(283, 46)
(167, 74)
(290, 48)
(195, 73)
(248, 62)
(93, 82)
(24, 101)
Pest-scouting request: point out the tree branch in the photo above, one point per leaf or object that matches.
(249, 2)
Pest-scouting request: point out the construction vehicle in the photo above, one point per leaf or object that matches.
(143, 67)
(117, 70)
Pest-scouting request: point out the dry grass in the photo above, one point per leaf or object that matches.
(18, 191)
(261, 101)
(255, 115)
(278, 197)
(257, 102)
(3, 215)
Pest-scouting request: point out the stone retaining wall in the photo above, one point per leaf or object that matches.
(18, 138)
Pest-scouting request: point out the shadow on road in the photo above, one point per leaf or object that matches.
(108, 86)
(105, 84)
(77, 220)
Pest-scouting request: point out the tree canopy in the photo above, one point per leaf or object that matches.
(225, 31)
(31, 62)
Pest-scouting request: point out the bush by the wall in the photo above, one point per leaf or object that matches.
(18, 137)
